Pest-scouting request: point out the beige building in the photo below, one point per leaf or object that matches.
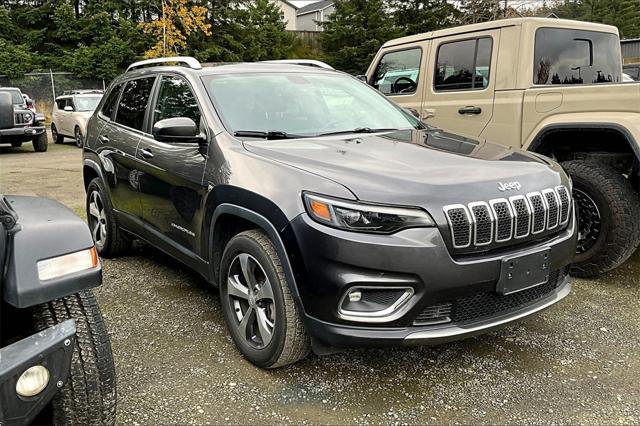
(289, 12)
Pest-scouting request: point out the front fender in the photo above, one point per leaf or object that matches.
(46, 229)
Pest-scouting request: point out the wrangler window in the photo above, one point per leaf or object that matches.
(463, 65)
(397, 72)
(565, 56)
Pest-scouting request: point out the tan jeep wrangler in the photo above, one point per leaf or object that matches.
(552, 86)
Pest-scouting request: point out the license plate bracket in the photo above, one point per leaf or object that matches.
(522, 272)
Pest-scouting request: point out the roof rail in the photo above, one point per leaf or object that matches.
(82, 92)
(187, 61)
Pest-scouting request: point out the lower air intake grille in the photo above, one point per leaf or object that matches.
(436, 314)
(381, 297)
(481, 305)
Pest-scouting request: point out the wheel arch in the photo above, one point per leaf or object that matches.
(554, 139)
(90, 171)
(229, 218)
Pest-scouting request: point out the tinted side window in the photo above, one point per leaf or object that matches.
(398, 72)
(61, 103)
(175, 99)
(463, 65)
(564, 56)
(110, 102)
(133, 102)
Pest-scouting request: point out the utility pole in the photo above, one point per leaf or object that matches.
(164, 31)
(506, 5)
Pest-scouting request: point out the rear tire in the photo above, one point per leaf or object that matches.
(608, 217)
(89, 396)
(57, 137)
(40, 143)
(110, 240)
(260, 294)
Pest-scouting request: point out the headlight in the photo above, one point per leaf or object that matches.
(57, 267)
(27, 117)
(371, 218)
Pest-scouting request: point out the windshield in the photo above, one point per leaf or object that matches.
(304, 104)
(16, 96)
(87, 103)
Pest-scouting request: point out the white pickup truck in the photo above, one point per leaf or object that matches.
(551, 86)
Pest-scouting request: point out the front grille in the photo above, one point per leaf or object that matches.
(436, 314)
(502, 220)
(487, 304)
(23, 118)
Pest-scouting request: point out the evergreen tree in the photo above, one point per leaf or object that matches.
(420, 16)
(355, 32)
(475, 11)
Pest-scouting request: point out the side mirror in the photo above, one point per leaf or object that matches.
(176, 130)
(363, 78)
(68, 108)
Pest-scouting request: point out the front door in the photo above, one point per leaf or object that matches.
(171, 176)
(460, 94)
(399, 74)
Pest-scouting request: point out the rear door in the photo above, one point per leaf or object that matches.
(459, 96)
(118, 142)
(399, 74)
(171, 175)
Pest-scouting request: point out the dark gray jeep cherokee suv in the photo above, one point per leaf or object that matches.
(327, 216)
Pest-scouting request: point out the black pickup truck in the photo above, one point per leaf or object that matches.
(56, 364)
(18, 124)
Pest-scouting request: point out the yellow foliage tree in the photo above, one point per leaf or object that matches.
(172, 28)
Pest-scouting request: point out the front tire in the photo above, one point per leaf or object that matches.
(57, 137)
(261, 315)
(78, 136)
(110, 240)
(608, 217)
(40, 143)
(89, 396)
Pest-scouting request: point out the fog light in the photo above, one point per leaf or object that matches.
(33, 381)
(355, 296)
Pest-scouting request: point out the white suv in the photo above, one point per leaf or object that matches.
(71, 112)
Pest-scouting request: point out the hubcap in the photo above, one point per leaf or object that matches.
(250, 297)
(97, 219)
(589, 221)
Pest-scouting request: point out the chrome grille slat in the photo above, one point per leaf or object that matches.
(481, 223)
(522, 212)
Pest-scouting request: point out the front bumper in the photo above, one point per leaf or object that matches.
(334, 261)
(21, 134)
(51, 348)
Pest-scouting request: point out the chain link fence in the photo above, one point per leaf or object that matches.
(44, 87)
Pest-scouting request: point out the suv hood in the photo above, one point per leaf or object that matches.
(421, 167)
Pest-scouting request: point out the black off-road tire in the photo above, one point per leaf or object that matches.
(619, 208)
(40, 143)
(290, 342)
(89, 396)
(57, 137)
(117, 241)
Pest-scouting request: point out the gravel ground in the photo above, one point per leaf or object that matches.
(575, 363)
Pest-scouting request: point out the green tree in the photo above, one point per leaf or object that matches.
(355, 32)
(263, 32)
(420, 16)
(474, 11)
(15, 60)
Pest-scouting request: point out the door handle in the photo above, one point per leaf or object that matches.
(146, 153)
(103, 139)
(470, 110)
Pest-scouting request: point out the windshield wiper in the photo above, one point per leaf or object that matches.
(357, 130)
(272, 134)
